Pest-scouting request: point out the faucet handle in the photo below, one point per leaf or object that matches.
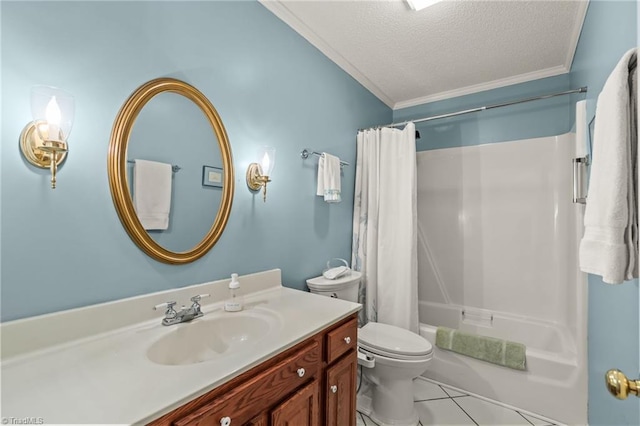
(170, 312)
(197, 298)
(196, 303)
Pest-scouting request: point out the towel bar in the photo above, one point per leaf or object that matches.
(174, 168)
(304, 154)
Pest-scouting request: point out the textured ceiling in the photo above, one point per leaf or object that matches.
(453, 48)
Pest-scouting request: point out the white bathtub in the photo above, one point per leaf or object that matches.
(497, 256)
(554, 384)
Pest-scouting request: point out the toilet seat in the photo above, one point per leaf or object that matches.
(393, 342)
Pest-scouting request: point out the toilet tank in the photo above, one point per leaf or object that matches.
(345, 287)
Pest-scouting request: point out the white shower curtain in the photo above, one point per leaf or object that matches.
(385, 226)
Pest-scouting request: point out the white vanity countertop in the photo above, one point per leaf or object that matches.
(106, 377)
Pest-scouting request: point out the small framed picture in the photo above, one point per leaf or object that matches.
(212, 176)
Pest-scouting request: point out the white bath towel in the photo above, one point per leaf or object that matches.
(152, 193)
(329, 185)
(609, 245)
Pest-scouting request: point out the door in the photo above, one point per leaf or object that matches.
(301, 409)
(614, 338)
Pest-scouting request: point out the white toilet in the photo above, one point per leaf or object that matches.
(399, 356)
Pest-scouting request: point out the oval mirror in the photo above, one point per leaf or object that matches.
(169, 121)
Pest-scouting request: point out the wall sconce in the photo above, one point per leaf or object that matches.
(43, 141)
(258, 173)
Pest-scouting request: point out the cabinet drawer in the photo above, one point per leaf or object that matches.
(342, 339)
(260, 392)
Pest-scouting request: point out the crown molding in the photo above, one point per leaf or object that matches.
(495, 84)
(289, 18)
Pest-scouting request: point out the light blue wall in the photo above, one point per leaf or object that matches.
(534, 119)
(610, 29)
(66, 248)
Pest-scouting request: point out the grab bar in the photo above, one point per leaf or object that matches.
(579, 169)
(477, 317)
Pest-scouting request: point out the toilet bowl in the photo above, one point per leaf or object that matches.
(391, 357)
(399, 357)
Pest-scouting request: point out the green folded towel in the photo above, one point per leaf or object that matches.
(497, 351)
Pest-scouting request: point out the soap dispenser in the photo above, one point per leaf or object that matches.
(234, 302)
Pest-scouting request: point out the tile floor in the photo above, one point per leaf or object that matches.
(440, 405)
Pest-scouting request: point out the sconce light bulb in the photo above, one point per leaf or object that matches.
(54, 117)
(266, 162)
(53, 113)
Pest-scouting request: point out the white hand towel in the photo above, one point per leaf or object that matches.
(152, 193)
(320, 186)
(329, 185)
(609, 246)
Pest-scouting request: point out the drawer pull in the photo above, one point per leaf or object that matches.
(347, 340)
(225, 421)
(300, 372)
(334, 389)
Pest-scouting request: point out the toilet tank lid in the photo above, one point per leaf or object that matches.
(349, 278)
(393, 339)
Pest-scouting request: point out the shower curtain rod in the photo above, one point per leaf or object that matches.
(487, 107)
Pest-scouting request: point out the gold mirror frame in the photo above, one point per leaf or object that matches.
(117, 169)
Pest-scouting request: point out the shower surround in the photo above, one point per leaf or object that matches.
(497, 256)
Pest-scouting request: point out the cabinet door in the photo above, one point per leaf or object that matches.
(341, 392)
(260, 420)
(301, 409)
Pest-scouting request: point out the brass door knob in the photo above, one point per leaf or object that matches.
(619, 386)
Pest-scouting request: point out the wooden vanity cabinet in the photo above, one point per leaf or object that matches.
(341, 392)
(340, 374)
(311, 384)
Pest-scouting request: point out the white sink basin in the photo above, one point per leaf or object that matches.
(214, 336)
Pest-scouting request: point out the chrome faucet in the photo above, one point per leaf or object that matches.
(171, 316)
